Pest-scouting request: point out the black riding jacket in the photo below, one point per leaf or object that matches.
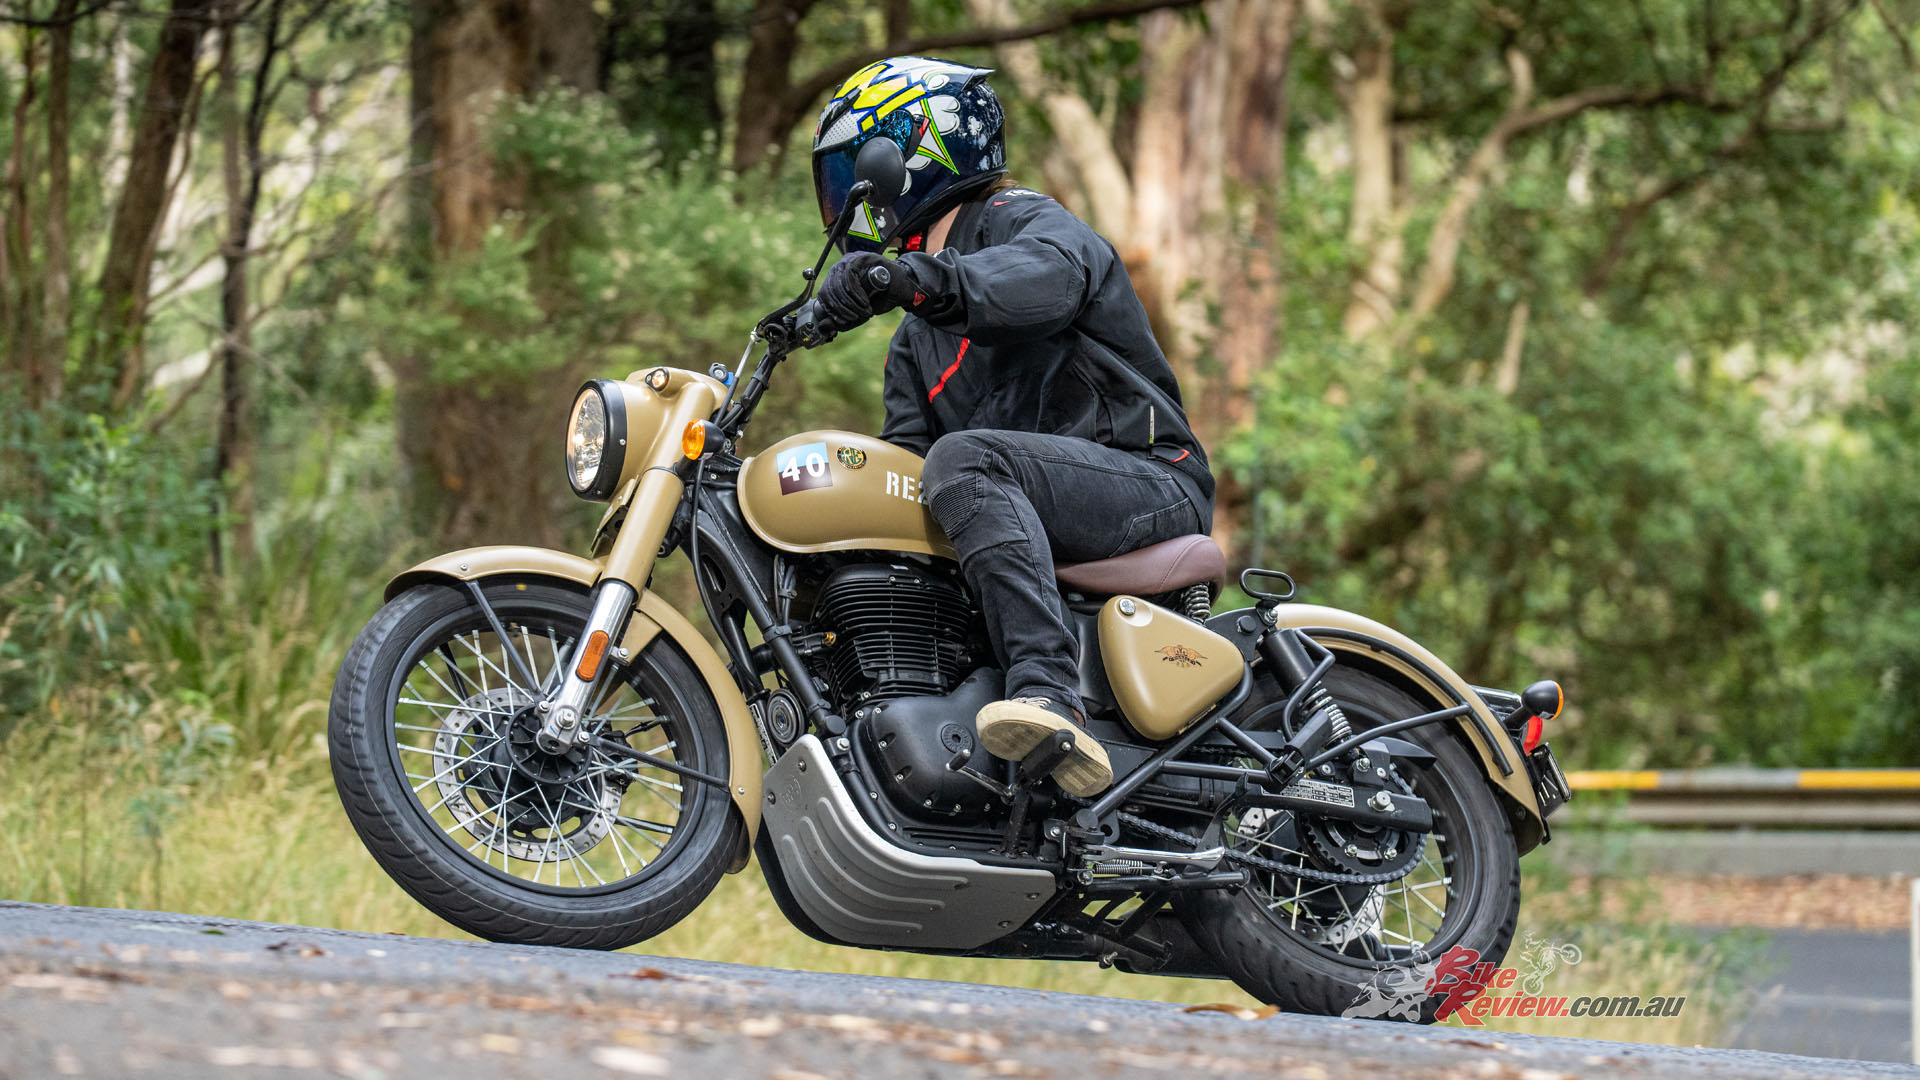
(1026, 321)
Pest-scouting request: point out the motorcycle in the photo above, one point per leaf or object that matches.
(542, 750)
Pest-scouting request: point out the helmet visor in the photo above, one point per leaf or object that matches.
(833, 179)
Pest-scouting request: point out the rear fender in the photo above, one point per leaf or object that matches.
(652, 618)
(1382, 650)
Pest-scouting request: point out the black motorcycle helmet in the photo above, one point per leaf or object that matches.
(947, 123)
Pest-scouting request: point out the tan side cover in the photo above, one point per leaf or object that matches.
(652, 617)
(1165, 669)
(843, 492)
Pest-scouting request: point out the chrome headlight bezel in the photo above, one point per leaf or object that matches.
(613, 456)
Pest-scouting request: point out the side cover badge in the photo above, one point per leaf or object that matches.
(1180, 655)
(851, 456)
(802, 468)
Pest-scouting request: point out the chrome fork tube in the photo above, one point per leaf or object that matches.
(562, 714)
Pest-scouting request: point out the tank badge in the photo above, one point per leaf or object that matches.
(803, 468)
(1181, 655)
(852, 457)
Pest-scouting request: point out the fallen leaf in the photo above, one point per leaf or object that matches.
(760, 1027)
(301, 949)
(646, 974)
(291, 1057)
(628, 1060)
(629, 1037)
(957, 1056)
(499, 1044)
(1240, 1011)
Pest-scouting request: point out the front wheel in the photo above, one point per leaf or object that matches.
(430, 735)
(1300, 937)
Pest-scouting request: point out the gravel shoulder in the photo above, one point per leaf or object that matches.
(87, 992)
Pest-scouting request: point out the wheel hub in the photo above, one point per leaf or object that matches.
(513, 797)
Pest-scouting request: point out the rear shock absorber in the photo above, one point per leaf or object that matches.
(1301, 666)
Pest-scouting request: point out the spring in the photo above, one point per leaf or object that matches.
(1337, 727)
(1197, 602)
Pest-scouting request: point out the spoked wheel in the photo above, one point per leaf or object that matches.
(1343, 919)
(432, 739)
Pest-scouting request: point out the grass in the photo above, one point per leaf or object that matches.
(207, 791)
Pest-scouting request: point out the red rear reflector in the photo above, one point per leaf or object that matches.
(597, 648)
(1536, 727)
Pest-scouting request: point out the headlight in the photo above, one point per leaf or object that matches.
(597, 440)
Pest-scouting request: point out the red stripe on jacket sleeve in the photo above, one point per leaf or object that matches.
(951, 368)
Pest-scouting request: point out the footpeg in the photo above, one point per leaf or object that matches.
(959, 765)
(1033, 769)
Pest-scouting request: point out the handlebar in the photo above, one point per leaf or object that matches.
(809, 332)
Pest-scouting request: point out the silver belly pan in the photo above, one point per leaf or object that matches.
(866, 890)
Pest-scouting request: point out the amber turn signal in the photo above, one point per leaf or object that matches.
(591, 656)
(1542, 702)
(693, 441)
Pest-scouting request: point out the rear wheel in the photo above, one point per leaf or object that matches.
(1300, 937)
(430, 734)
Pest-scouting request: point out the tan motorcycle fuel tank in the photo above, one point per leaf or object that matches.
(839, 491)
(1165, 669)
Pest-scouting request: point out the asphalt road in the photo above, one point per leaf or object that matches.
(1840, 993)
(86, 992)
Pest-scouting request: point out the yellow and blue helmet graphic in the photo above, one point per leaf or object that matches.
(947, 122)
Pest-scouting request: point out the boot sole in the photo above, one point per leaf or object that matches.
(1011, 732)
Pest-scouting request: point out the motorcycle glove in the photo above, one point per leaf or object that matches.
(849, 295)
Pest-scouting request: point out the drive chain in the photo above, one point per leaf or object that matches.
(1407, 862)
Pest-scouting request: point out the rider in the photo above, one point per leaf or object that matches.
(1025, 371)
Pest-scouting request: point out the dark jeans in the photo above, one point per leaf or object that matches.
(1013, 502)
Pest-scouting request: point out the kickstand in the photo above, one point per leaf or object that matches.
(1037, 766)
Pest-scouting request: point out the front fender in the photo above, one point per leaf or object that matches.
(652, 617)
(1401, 659)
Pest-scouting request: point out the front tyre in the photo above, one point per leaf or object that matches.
(430, 738)
(1307, 944)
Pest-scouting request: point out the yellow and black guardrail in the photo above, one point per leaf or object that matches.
(1763, 798)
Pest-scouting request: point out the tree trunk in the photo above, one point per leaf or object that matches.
(483, 465)
(1373, 228)
(242, 169)
(113, 350)
(657, 60)
(760, 120)
(15, 234)
(1260, 48)
(1101, 191)
(58, 304)
(899, 22)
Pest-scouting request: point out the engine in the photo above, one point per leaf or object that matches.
(899, 631)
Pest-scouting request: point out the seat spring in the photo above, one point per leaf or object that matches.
(1197, 601)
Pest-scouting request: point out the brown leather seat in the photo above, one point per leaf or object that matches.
(1157, 568)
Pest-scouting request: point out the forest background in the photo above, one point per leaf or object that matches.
(1574, 339)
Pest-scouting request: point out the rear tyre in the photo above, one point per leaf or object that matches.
(431, 756)
(1305, 946)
